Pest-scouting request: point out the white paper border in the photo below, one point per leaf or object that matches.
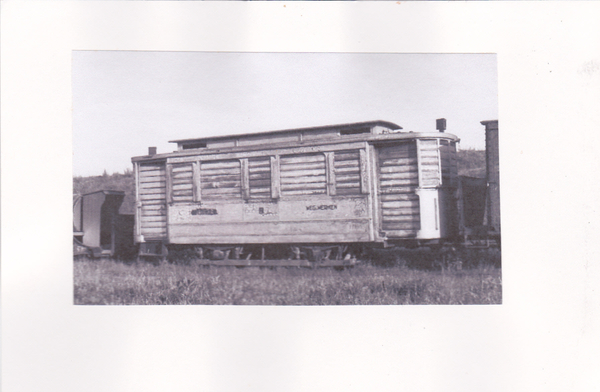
(545, 335)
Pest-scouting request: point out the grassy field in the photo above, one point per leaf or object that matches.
(393, 282)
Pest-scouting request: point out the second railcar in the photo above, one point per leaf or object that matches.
(314, 192)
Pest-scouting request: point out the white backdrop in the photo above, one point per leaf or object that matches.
(545, 336)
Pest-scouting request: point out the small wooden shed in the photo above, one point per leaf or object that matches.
(96, 221)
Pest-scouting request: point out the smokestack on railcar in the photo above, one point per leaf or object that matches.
(492, 160)
(440, 124)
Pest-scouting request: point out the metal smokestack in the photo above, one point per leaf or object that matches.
(440, 124)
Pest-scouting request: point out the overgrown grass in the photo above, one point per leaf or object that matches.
(114, 283)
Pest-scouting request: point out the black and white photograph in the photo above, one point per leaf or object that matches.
(291, 178)
(351, 196)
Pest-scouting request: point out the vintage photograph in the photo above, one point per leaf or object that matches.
(222, 178)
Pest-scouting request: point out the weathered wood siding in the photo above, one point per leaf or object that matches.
(285, 198)
(303, 174)
(316, 219)
(221, 179)
(347, 172)
(429, 163)
(152, 196)
(182, 188)
(449, 163)
(398, 180)
(259, 177)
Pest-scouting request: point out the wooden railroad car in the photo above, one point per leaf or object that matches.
(299, 196)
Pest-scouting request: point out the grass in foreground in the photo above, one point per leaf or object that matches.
(114, 283)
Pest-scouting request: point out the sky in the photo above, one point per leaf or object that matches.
(127, 101)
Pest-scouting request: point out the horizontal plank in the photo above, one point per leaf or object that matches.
(343, 164)
(341, 170)
(146, 168)
(399, 197)
(399, 176)
(179, 187)
(181, 193)
(260, 170)
(397, 190)
(155, 184)
(432, 151)
(151, 191)
(302, 166)
(392, 234)
(222, 191)
(182, 168)
(307, 186)
(210, 165)
(182, 199)
(346, 155)
(261, 162)
(396, 183)
(400, 226)
(216, 172)
(259, 191)
(397, 153)
(262, 229)
(218, 178)
(299, 193)
(405, 211)
(302, 173)
(289, 159)
(401, 219)
(249, 238)
(261, 176)
(221, 185)
(147, 204)
(393, 204)
(398, 169)
(182, 175)
(154, 214)
(412, 211)
(151, 174)
(398, 162)
(304, 180)
(430, 175)
(347, 178)
(152, 206)
(344, 185)
(160, 196)
(151, 179)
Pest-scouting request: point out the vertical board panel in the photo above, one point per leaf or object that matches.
(152, 190)
(221, 179)
(448, 162)
(196, 194)
(181, 183)
(398, 181)
(259, 177)
(275, 177)
(349, 172)
(303, 174)
(429, 163)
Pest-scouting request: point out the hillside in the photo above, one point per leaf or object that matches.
(113, 182)
(471, 163)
